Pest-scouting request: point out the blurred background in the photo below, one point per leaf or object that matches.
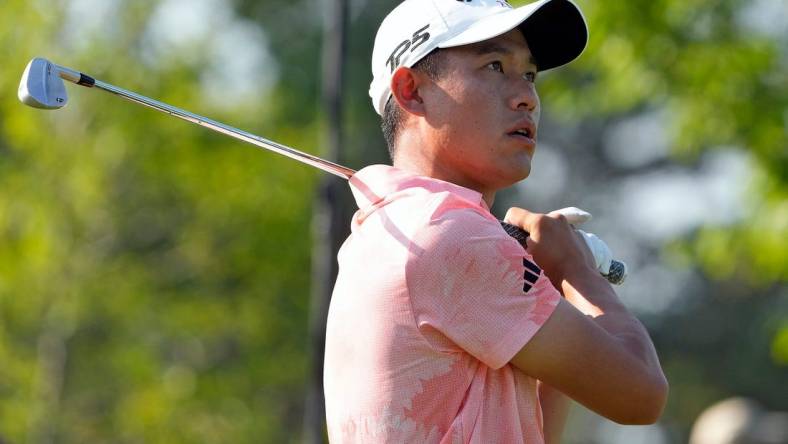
(161, 283)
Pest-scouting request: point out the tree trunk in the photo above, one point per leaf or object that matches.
(329, 224)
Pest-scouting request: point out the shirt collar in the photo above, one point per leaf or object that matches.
(371, 185)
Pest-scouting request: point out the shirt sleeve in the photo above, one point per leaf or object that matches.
(471, 283)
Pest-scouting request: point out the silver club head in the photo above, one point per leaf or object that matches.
(41, 85)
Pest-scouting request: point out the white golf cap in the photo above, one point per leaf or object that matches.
(555, 30)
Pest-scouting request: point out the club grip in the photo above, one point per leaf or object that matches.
(616, 275)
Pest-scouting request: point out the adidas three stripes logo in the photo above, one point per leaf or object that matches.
(530, 275)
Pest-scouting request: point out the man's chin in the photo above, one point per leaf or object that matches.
(526, 171)
(523, 168)
(511, 175)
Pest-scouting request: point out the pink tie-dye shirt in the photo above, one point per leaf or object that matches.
(432, 301)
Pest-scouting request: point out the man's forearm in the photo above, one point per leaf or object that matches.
(594, 296)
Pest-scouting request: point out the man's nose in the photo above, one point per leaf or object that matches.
(525, 96)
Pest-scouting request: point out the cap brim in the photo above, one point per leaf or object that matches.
(555, 30)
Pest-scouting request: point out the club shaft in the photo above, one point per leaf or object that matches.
(256, 140)
(617, 273)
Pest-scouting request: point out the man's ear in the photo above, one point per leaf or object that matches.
(405, 84)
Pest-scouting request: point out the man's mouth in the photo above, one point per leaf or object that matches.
(525, 134)
(521, 132)
(524, 129)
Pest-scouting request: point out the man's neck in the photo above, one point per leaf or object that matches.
(429, 167)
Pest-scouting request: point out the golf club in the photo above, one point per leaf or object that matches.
(42, 87)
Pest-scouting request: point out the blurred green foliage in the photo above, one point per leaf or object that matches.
(154, 275)
(721, 80)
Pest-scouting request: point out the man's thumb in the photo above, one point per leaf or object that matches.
(520, 217)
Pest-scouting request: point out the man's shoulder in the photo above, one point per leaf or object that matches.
(412, 196)
(445, 211)
(453, 225)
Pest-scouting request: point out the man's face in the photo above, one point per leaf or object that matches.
(482, 113)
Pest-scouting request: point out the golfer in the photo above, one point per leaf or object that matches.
(443, 329)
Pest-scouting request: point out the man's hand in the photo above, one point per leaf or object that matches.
(555, 245)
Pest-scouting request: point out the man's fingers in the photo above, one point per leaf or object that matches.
(528, 221)
(516, 216)
(575, 216)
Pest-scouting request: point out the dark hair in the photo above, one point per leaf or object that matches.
(391, 121)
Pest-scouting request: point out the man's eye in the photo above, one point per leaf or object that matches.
(496, 66)
(530, 76)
